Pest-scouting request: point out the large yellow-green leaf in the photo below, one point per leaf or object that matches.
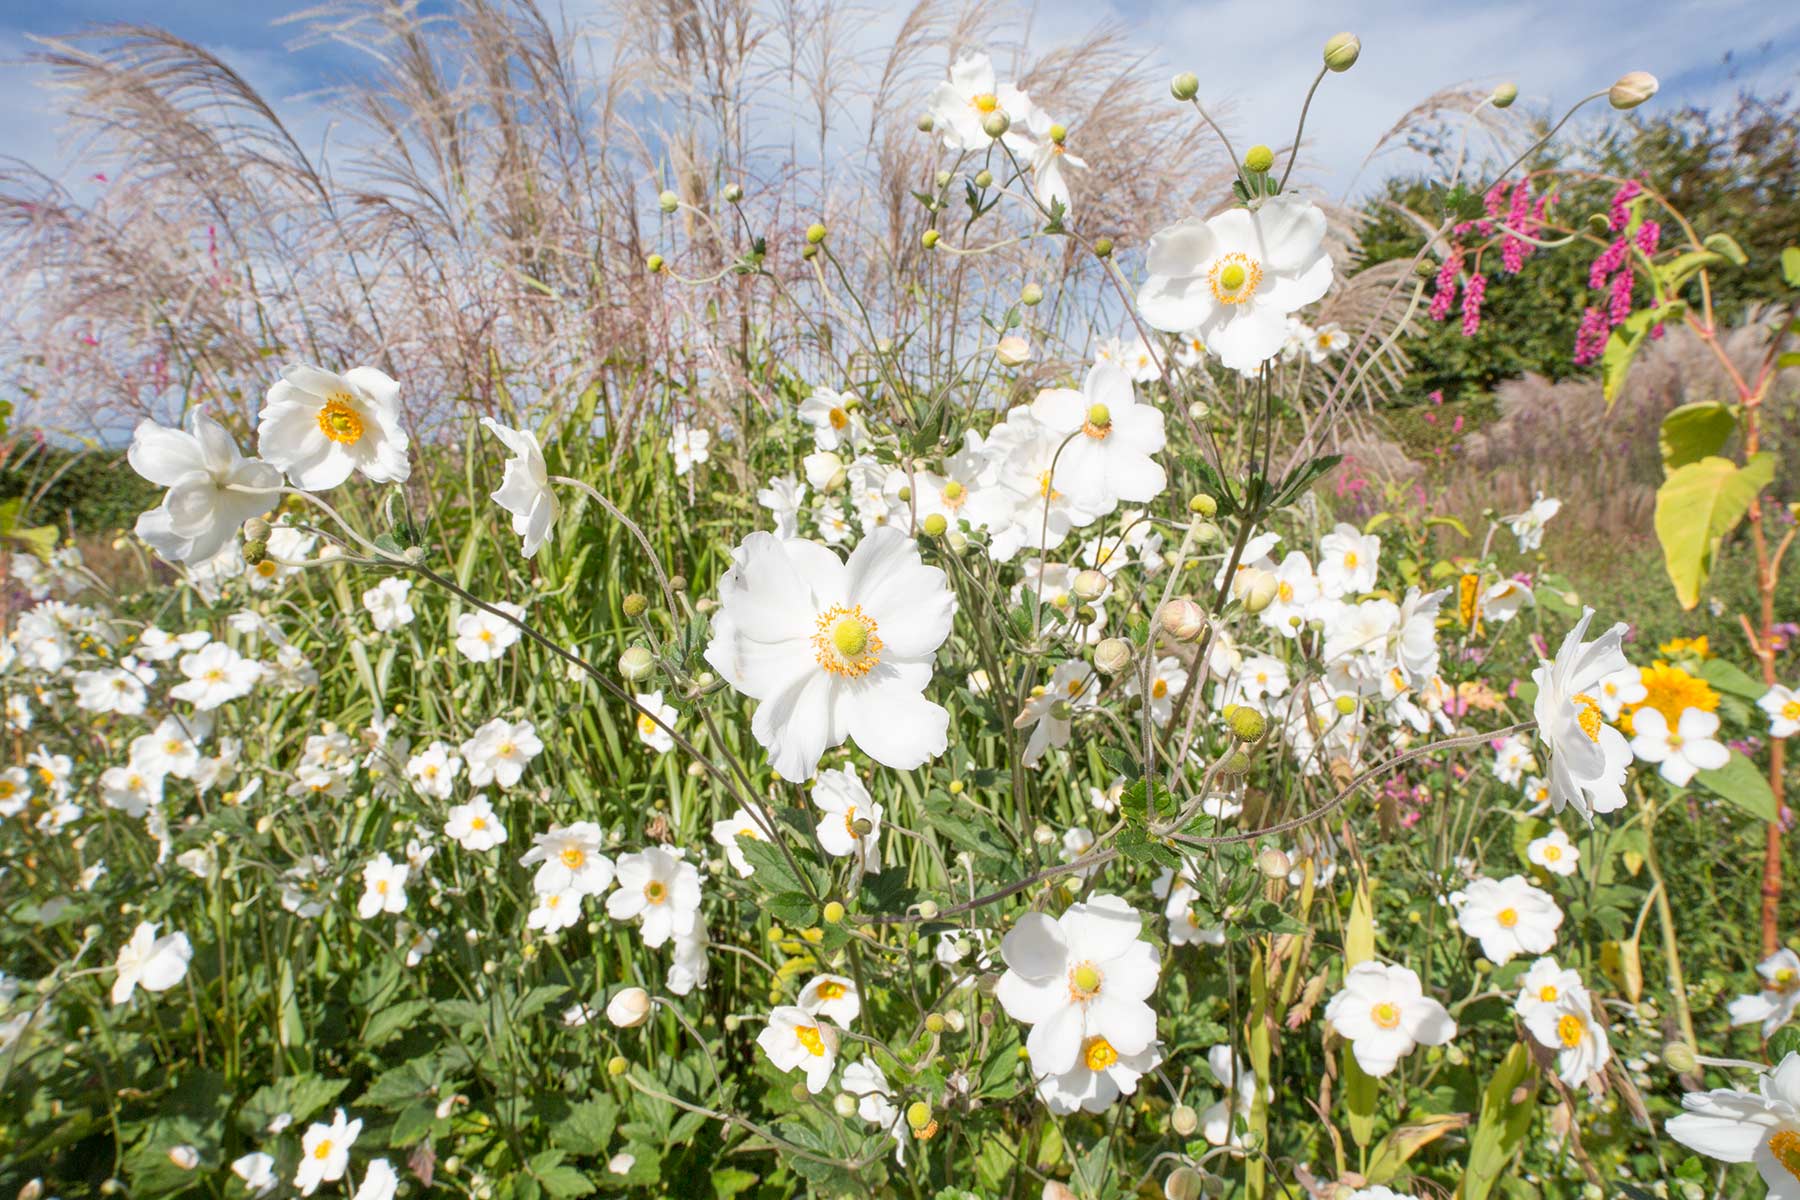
(1623, 343)
(1697, 505)
(1741, 783)
(1695, 431)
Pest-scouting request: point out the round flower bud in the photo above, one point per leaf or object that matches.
(926, 123)
(955, 1021)
(957, 540)
(1248, 725)
(654, 264)
(1090, 585)
(995, 124)
(1237, 764)
(1043, 835)
(934, 1023)
(1062, 710)
(1202, 505)
(956, 787)
(634, 604)
(1504, 95)
(834, 912)
(1345, 704)
(1059, 134)
(1031, 295)
(808, 251)
(668, 202)
(255, 551)
(678, 583)
(1633, 88)
(1258, 590)
(1112, 656)
(1103, 247)
(918, 1114)
(1013, 351)
(1184, 1120)
(905, 494)
(935, 525)
(734, 192)
(928, 910)
(984, 179)
(1185, 86)
(943, 178)
(256, 530)
(1342, 51)
(636, 663)
(1274, 863)
(629, 1007)
(184, 1157)
(815, 233)
(844, 1105)
(1182, 619)
(1184, 1183)
(1680, 1057)
(616, 1065)
(929, 238)
(1259, 160)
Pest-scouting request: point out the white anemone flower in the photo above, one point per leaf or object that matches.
(1050, 713)
(783, 498)
(740, 824)
(960, 106)
(1588, 757)
(796, 1040)
(389, 604)
(1384, 1013)
(202, 470)
(1680, 753)
(1554, 852)
(433, 771)
(384, 887)
(1509, 917)
(1545, 985)
(1080, 981)
(834, 423)
(833, 996)
(1218, 1124)
(379, 1182)
(500, 751)
(524, 486)
(835, 649)
(1503, 600)
(658, 888)
(325, 1152)
(864, 1081)
(215, 674)
(649, 732)
(320, 427)
(1528, 526)
(1325, 341)
(1110, 438)
(1232, 280)
(475, 826)
(1761, 1127)
(845, 802)
(153, 963)
(689, 446)
(1782, 704)
(482, 636)
(1050, 160)
(571, 860)
(1569, 1028)
(1348, 561)
(1099, 1077)
(1774, 1005)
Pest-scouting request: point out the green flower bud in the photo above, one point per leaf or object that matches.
(1680, 1057)
(1062, 710)
(1248, 725)
(1345, 705)
(995, 124)
(1237, 764)
(616, 1065)
(926, 123)
(1259, 160)
(733, 193)
(637, 663)
(815, 233)
(844, 1105)
(1184, 1120)
(256, 530)
(668, 202)
(809, 251)
(934, 1023)
(943, 178)
(1202, 505)
(1112, 656)
(1103, 247)
(935, 525)
(1342, 51)
(984, 179)
(918, 1114)
(1274, 863)
(654, 264)
(929, 239)
(1090, 585)
(834, 912)
(1031, 295)
(928, 910)
(1185, 86)
(1504, 95)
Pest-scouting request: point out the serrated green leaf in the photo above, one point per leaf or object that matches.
(1740, 782)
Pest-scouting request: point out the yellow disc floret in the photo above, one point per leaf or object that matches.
(1234, 278)
(847, 641)
(340, 422)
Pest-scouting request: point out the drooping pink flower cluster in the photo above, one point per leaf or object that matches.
(1513, 215)
(1611, 272)
(1618, 214)
(1474, 292)
(1443, 296)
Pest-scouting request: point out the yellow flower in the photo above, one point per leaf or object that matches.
(1671, 691)
(1694, 647)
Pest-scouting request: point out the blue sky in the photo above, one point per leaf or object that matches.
(1254, 55)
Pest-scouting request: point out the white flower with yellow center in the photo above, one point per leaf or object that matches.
(1079, 980)
(833, 996)
(203, 472)
(1050, 711)
(1296, 596)
(960, 106)
(554, 911)
(1783, 706)
(1168, 679)
(384, 887)
(1588, 757)
(1554, 852)
(1620, 690)
(1029, 506)
(500, 751)
(1761, 1127)
(689, 446)
(524, 486)
(1180, 897)
(153, 963)
(834, 649)
(1384, 1013)
(1528, 526)
(1106, 439)
(215, 674)
(1544, 985)
(1099, 1077)
(851, 826)
(833, 419)
(433, 771)
(569, 859)
(1050, 161)
(1348, 561)
(475, 826)
(1569, 1028)
(658, 889)
(1232, 280)
(320, 427)
(1774, 1005)
(325, 1153)
(482, 636)
(655, 736)
(1680, 753)
(740, 824)
(1325, 341)
(1502, 601)
(1509, 917)
(796, 1040)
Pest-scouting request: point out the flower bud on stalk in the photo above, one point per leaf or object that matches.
(1185, 86)
(1182, 620)
(815, 233)
(1112, 656)
(733, 193)
(1274, 863)
(635, 604)
(1257, 589)
(935, 525)
(1342, 51)
(1259, 159)
(1184, 1120)
(1031, 295)
(668, 202)
(636, 663)
(929, 238)
(1184, 1183)
(1090, 585)
(1504, 95)
(984, 179)
(995, 124)
(629, 1008)
(1013, 350)
(926, 123)
(1103, 247)
(1632, 89)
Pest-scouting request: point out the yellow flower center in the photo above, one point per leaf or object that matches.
(1285, 591)
(1548, 993)
(1786, 980)
(985, 102)
(830, 990)
(808, 1036)
(1099, 422)
(1386, 1015)
(267, 568)
(1507, 917)
(507, 749)
(1553, 852)
(215, 676)
(1570, 1029)
(1234, 278)
(656, 891)
(1084, 981)
(1099, 1054)
(645, 725)
(1044, 488)
(8, 788)
(1791, 711)
(847, 642)
(478, 823)
(954, 493)
(339, 422)
(381, 888)
(1350, 559)
(323, 1150)
(1784, 1144)
(838, 418)
(1159, 689)
(573, 857)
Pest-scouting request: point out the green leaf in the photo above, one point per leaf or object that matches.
(1622, 346)
(1699, 504)
(729, 1181)
(1741, 783)
(1502, 1126)
(1673, 275)
(1724, 243)
(1790, 266)
(1361, 1094)
(1693, 432)
(792, 908)
(1733, 680)
(557, 1179)
(391, 1020)
(588, 1127)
